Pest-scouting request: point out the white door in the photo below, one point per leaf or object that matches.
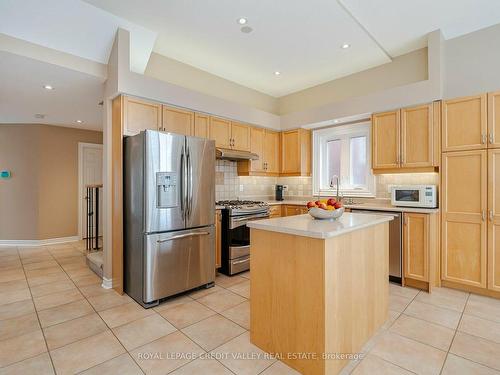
(90, 173)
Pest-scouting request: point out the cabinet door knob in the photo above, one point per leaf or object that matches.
(491, 215)
(483, 215)
(491, 137)
(483, 139)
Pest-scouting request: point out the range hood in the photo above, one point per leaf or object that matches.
(228, 154)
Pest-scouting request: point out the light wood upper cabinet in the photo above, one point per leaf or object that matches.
(256, 146)
(240, 136)
(178, 121)
(140, 115)
(464, 214)
(494, 220)
(201, 125)
(417, 135)
(464, 123)
(220, 132)
(271, 152)
(494, 119)
(296, 152)
(386, 140)
(416, 232)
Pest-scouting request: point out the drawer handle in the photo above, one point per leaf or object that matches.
(180, 236)
(241, 261)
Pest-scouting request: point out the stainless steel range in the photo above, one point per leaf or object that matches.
(235, 235)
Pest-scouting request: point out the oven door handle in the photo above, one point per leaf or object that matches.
(248, 218)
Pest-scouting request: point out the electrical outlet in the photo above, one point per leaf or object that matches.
(241, 187)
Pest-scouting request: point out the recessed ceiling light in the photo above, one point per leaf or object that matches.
(48, 87)
(276, 73)
(79, 121)
(242, 21)
(345, 45)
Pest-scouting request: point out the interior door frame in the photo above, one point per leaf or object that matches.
(81, 146)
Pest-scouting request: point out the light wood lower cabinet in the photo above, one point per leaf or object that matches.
(140, 115)
(218, 226)
(464, 215)
(291, 210)
(416, 246)
(275, 211)
(494, 220)
(178, 121)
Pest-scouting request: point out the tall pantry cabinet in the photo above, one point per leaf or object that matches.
(470, 192)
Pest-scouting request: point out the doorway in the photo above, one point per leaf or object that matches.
(89, 173)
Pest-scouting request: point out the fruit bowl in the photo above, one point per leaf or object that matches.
(319, 213)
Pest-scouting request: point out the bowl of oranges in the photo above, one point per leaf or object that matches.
(325, 209)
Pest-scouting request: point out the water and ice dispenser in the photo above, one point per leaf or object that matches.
(167, 193)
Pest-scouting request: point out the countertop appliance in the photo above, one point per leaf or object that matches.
(169, 215)
(235, 235)
(279, 193)
(395, 242)
(424, 196)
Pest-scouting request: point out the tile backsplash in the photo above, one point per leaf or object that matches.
(228, 185)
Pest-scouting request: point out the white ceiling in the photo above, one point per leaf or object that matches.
(75, 97)
(300, 38)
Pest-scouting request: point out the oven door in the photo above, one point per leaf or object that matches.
(239, 234)
(408, 197)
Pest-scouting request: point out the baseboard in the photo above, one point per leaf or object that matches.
(29, 243)
(107, 283)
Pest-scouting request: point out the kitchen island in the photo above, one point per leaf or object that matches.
(319, 289)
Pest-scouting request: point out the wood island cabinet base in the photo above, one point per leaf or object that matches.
(314, 297)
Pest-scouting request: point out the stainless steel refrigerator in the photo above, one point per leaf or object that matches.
(169, 211)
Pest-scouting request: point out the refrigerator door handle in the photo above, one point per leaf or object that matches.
(183, 196)
(189, 190)
(183, 236)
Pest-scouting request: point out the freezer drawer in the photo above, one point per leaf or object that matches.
(178, 261)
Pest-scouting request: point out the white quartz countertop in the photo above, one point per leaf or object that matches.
(376, 205)
(307, 226)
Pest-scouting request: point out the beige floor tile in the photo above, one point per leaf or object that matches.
(84, 354)
(40, 265)
(9, 286)
(484, 307)
(487, 329)
(393, 315)
(43, 272)
(57, 299)
(51, 288)
(373, 365)
(279, 368)
(74, 266)
(107, 301)
(243, 289)
(15, 309)
(12, 275)
(40, 280)
(425, 332)
(72, 260)
(21, 347)
(204, 292)
(408, 354)
(18, 326)
(460, 366)
(222, 300)
(172, 302)
(64, 313)
(8, 251)
(73, 330)
(166, 354)
(79, 272)
(14, 296)
(433, 314)
(476, 349)
(122, 365)
(227, 281)
(36, 259)
(95, 290)
(186, 314)
(143, 331)
(213, 332)
(124, 314)
(11, 264)
(87, 280)
(242, 357)
(444, 297)
(240, 314)
(245, 274)
(39, 365)
(202, 367)
(398, 290)
(398, 303)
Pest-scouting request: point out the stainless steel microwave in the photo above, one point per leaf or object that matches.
(424, 196)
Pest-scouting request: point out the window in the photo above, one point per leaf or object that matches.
(343, 151)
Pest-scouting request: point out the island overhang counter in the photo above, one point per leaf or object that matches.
(318, 289)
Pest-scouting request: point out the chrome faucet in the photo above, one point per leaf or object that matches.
(336, 184)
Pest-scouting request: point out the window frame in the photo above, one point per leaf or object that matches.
(345, 133)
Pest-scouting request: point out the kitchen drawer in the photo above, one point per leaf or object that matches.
(291, 210)
(275, 211)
